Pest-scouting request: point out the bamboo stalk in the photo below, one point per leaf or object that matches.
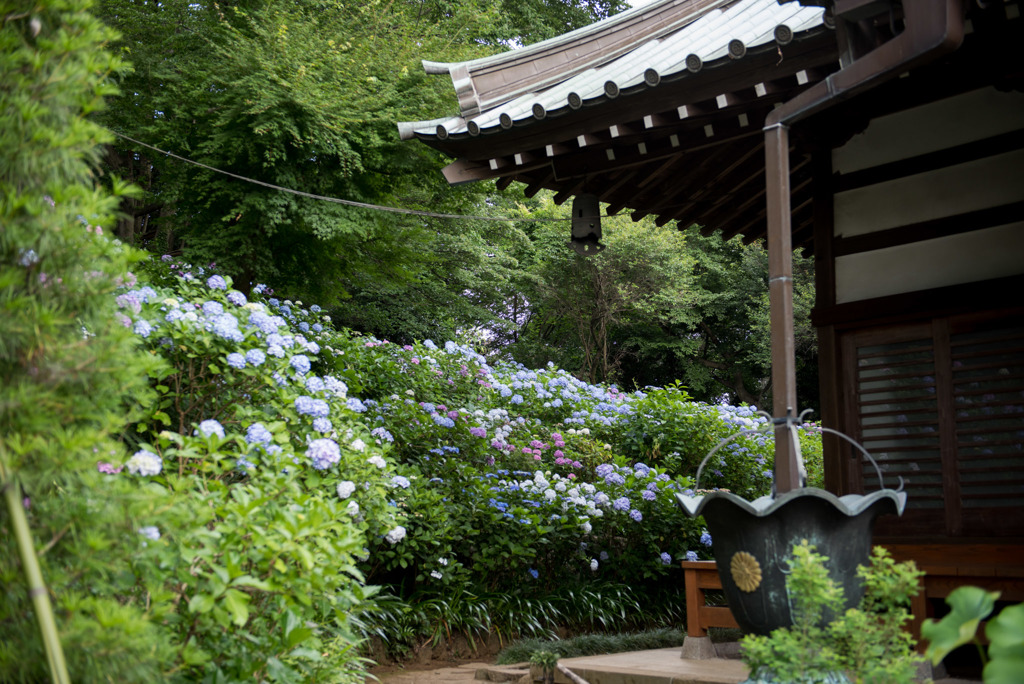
(33, 574)
(575, 678)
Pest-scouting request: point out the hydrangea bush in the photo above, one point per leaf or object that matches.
(287, 467)
(263, 485)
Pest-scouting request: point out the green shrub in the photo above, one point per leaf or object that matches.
(868, 643)
(69, 380)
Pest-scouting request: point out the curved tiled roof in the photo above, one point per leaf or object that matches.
(631, 52)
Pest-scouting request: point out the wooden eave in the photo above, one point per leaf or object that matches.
(688, 150)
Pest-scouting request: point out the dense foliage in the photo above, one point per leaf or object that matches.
(69, 380)
(499, 498)
(306, 96)
(868, 644)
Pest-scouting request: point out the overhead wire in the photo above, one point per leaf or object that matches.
(336, 200)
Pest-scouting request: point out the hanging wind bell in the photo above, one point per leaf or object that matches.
(586, 225)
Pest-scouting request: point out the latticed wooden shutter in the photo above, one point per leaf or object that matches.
(941, 405)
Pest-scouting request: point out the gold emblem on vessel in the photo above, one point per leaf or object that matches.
(746, 571)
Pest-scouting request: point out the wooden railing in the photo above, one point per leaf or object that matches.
(700, 576)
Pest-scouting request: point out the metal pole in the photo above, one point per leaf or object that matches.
(780, 297)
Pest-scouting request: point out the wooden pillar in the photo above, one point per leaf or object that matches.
(780, 294)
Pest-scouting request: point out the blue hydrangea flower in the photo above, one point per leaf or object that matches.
(255, 357)
(648, 495)
(322, 425)
(236, 298)
(354, 404)
(400, 481)
(276, 339)
(533, 573)
(275, 350)
(382, 433)
(257, 433)
(323, 453)
(443, 421)
(142, 328)
(317, 327)
(666, 559)
(216, 283)
(209, 428)
(335, 386)
(236, 360)
(304, 326)
(226, 326)
(621, 504)
(273, 301)
(212, 309)
(308, 406)
(174, 315)
(636, 515)
(705, 538)
(300, 363)
(691, 555)
(264, 322)
(516, 399)
(315, 383)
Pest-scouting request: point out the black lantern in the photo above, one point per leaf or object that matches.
(586, 225)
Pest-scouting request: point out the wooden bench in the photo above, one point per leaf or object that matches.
(991, 566)
(698, 577)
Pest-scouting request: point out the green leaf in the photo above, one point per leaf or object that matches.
(970, 605)
(1005, 633)
(237, 603)
(201, 603)
(1004, 671)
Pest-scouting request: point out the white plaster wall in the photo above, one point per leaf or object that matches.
(940, 125)
(952, 260)
(979, 184)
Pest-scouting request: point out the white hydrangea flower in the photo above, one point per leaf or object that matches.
(377, 461)
(346, 488)
(435, 574)
(144, 463)
(587, 528)
(593, 564)
(396, 535)
(359, 445)
(352, 508)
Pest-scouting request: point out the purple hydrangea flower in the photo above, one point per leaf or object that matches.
(236, 298)
(621, 504)
(216, 283)
(636, 515)
(323, 453)
(666, 559)
(478, 431)
(648, 495)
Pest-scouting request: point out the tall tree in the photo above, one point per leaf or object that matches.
(595, 310)
(305, 95)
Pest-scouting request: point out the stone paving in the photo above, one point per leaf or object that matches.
(660, 666)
